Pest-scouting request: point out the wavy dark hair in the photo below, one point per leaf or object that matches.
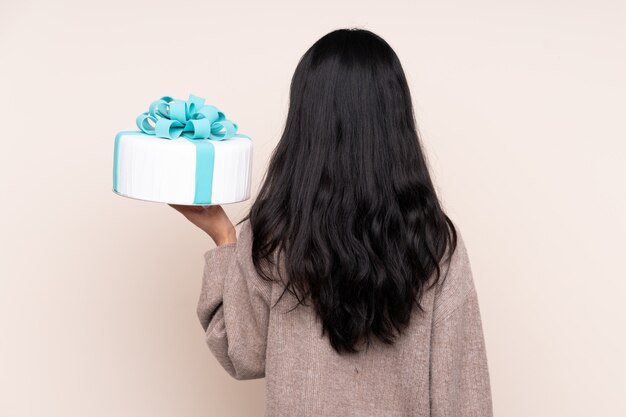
(347, 198)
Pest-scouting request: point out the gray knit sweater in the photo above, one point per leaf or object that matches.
(437, 368)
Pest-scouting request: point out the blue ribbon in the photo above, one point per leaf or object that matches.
(194, 120)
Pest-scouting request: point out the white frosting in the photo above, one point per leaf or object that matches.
(232, 170)
(157, 169)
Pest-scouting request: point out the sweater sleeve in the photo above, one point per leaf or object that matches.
(459, 381)
(233, 308)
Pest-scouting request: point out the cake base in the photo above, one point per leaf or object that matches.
(179, 204)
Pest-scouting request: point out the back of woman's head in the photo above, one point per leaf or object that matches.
(347, 201)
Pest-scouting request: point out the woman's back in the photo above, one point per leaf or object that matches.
(438, 367)
(349, 288)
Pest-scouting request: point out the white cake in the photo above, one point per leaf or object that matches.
(182, 170)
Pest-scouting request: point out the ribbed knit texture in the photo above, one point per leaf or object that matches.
(438, 367)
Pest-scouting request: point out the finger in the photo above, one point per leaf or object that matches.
(183, 209)
(177, 207)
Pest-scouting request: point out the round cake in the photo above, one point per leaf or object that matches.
(175, 164)
(182, 171)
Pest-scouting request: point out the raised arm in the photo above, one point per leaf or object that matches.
(233, 308)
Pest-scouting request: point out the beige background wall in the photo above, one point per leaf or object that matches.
(521, 108)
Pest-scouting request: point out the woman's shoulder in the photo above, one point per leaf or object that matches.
(457, 281)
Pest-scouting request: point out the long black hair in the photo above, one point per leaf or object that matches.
(347, 198)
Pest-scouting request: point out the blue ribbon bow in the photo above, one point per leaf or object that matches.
(169, 118)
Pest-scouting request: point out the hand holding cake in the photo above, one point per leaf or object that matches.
(211, 219)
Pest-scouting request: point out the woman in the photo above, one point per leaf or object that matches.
(349, 289)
